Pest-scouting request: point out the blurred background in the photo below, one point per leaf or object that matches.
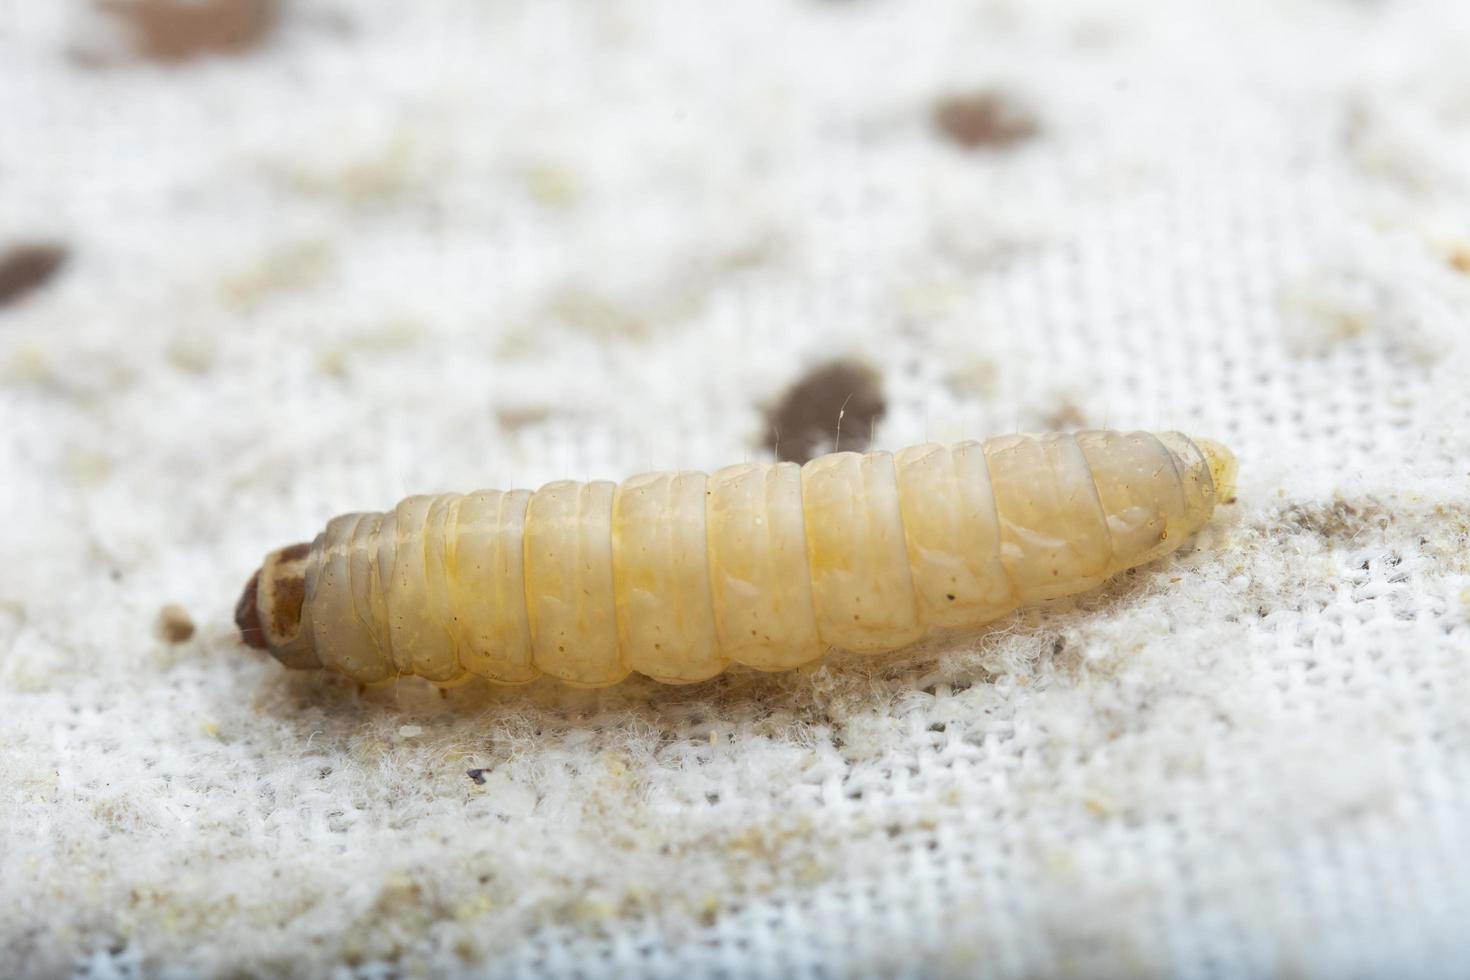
(266, 261)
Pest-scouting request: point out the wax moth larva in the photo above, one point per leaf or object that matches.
(676, 575)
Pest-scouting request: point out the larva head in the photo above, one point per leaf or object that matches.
(272, 610)
(1223, 469)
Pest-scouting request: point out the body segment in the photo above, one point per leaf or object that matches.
(677, 575)
(952, 533)
(862, 588)
(661, 578)
(762, 592)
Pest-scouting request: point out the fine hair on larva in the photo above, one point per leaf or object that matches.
(677, 575)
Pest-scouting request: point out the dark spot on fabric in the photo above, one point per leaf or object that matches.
(949, 596)
(247, 614)
(984, 120)
(173, 31)
(478, 775)
(1064, 416)
(805, 422)
(512, 418)
(27, 267)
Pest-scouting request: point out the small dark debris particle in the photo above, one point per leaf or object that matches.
(987, 119)
(478, 775)
(174, 31)
(175, 624)
(949, 596)
(805, 423)
(28, 266)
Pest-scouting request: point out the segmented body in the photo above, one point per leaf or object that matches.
(677, 575)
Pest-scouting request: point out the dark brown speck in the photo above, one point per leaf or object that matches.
(982, 120)
(27, 267)
(172, 31)
(805, 422)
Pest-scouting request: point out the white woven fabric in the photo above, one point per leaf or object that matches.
(418, 247)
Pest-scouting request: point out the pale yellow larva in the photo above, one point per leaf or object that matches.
(677, 575)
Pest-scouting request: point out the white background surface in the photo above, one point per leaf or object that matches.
(408, 248)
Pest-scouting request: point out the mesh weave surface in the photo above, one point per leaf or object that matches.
(410, 248)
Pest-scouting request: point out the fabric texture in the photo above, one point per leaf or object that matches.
(396, 248)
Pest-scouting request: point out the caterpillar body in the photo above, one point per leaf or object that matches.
(677, 575)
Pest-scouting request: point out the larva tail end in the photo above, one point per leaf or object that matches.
(1223, 469)
(247, 614)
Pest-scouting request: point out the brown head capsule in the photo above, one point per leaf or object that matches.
(271, 611)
